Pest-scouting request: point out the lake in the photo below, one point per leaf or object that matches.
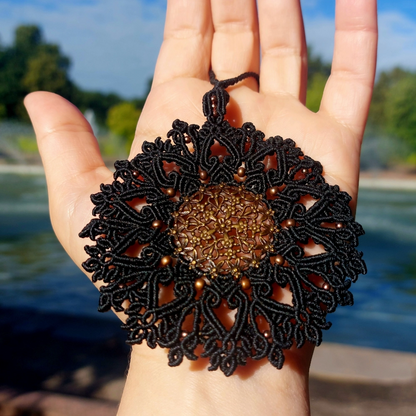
(35, 272)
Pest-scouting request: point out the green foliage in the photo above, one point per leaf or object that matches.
(318, 73)
(315, 90)
(386, 82)
(3, 111)
(31, 64)
(27, 144)
(97, 101)
(317, 66)
(122, 120)
(400, 109)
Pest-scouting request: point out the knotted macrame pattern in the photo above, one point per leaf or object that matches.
(177, 305)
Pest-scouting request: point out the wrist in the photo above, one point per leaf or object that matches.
(154, 388)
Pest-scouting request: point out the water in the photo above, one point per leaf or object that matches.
(35, 272)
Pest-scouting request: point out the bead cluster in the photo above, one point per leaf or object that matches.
(223, 229)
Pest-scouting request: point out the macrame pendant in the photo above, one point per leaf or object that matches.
(201, 251)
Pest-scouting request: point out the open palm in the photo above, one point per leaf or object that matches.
(227, 37)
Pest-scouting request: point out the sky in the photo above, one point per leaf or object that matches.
(113, 45)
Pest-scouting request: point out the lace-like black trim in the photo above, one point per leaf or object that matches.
(134, 282)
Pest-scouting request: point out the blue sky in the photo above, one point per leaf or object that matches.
(114, 44)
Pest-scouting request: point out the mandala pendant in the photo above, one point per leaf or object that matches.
(202, 250)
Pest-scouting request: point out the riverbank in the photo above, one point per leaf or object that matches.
(66, 365)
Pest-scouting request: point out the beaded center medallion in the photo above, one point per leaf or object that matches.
(223, 229)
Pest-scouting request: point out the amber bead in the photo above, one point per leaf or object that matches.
(274, 190)
(170, 192)
(279, 260)
(203, 175)
(245, 283)
(199, 284)
(157, 224)
(290, 222)
(241, 172)
(165, 261)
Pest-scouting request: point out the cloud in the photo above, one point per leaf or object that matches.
(320, 35)
(397, 41)
(113, 45)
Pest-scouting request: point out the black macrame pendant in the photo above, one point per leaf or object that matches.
(183, 235)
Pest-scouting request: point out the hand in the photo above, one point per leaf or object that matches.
(225, 36)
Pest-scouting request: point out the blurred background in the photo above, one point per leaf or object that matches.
(100, 55)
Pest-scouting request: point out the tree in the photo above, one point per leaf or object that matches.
(315, 90)
(28, 65)
(385, 83)
(48, 71)
(122, 120)
(400, 109)
(318, 73)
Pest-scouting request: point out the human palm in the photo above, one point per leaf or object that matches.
(224, 36)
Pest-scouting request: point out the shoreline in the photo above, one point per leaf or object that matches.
(380, 180)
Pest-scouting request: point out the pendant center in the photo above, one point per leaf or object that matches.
(223, 229)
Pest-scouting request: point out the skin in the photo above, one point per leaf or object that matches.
(225, 36)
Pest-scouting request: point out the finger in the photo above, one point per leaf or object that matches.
(186, 47)
(235, 46)
(283, 47)
(348, 91)
(73, 166)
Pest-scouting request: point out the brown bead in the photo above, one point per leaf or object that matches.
(339, 225)
(267, 334)
(170, 192)
(203, 175)
(241, 172)
(135, 174)
(274, 190)
(157, 224)
(279, 260)
(187, 139)
(305, 171)
(184, 334)
(326, 286)
(336, 263)
(165, 261)
(290, 222)
(199, 284)
(245, 283)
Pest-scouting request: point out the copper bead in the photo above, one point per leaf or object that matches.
(339, 225)
(157, 224)
(305, 171)
(203, 175)
(199, 284)
(184, 334)
(290, 222)
(245, 283)
(279, 260)
(170, 192)
(326, 286)
(241, 172)
(336, 263)
(187, 139)
(274, 190)
(165, 261)
(135, 174)
(267, 334)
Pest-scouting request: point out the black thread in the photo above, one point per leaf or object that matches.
(139, 280)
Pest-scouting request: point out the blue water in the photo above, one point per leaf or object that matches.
(35, 272)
